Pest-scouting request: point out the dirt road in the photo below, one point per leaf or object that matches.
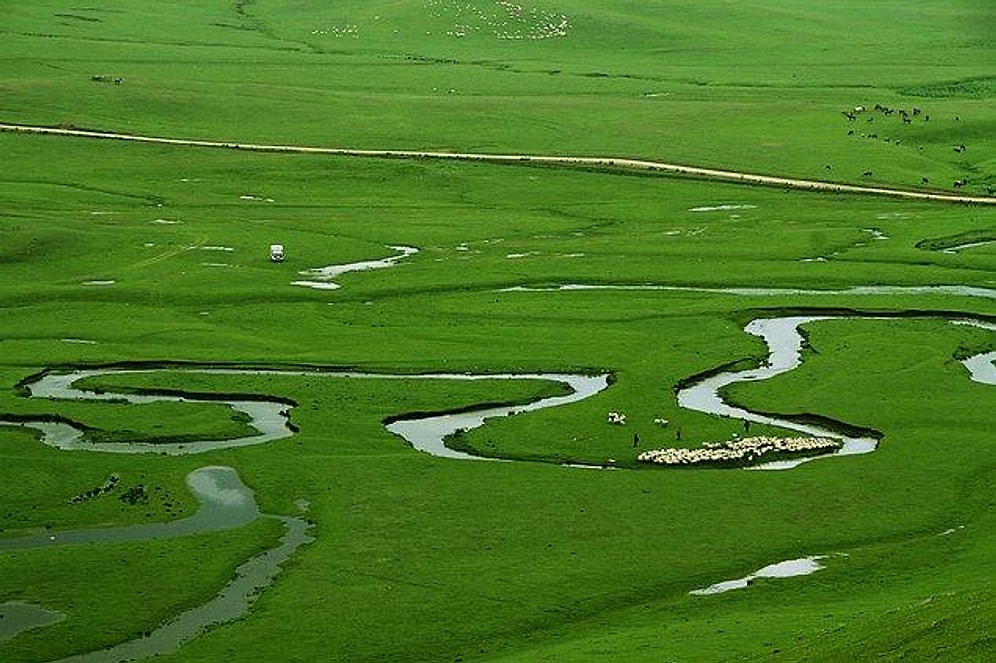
(597, 162)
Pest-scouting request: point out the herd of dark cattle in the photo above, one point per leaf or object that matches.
(907, 117)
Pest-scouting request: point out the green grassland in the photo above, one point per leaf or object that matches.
(115, 252)
(757, 86)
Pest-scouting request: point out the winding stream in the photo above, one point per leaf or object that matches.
(427, 433)
(226, 503)
(785, 353)
(861, 290)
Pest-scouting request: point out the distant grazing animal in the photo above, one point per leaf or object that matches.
(867, 173)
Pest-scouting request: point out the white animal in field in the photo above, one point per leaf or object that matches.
(617, 418)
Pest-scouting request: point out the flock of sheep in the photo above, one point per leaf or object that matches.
(742, 451)
(508, 20)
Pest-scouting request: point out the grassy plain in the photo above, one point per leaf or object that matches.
(116, 252)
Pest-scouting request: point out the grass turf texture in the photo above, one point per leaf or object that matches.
(668, 80)
(425, 559)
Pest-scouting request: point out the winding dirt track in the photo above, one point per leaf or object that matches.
(599, 162)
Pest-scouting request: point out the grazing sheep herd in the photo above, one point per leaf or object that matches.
(616, 418)
(505, 20)
(743, 451)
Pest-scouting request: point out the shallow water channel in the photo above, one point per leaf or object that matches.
(17, 616)
(321, 278)
(227, 503)
(749, 291)
(427, 433)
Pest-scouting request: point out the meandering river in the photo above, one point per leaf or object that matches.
(227, 503)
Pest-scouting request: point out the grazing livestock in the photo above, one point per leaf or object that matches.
(740, 451)
(616, 419)
(867, 173)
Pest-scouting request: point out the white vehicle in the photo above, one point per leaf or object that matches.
(277, 252)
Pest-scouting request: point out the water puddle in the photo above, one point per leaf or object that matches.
(970, 245)
(876, 234)
(321, 278)
(981, 367)
(17, 617)
(720, 208)
(788, 569)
